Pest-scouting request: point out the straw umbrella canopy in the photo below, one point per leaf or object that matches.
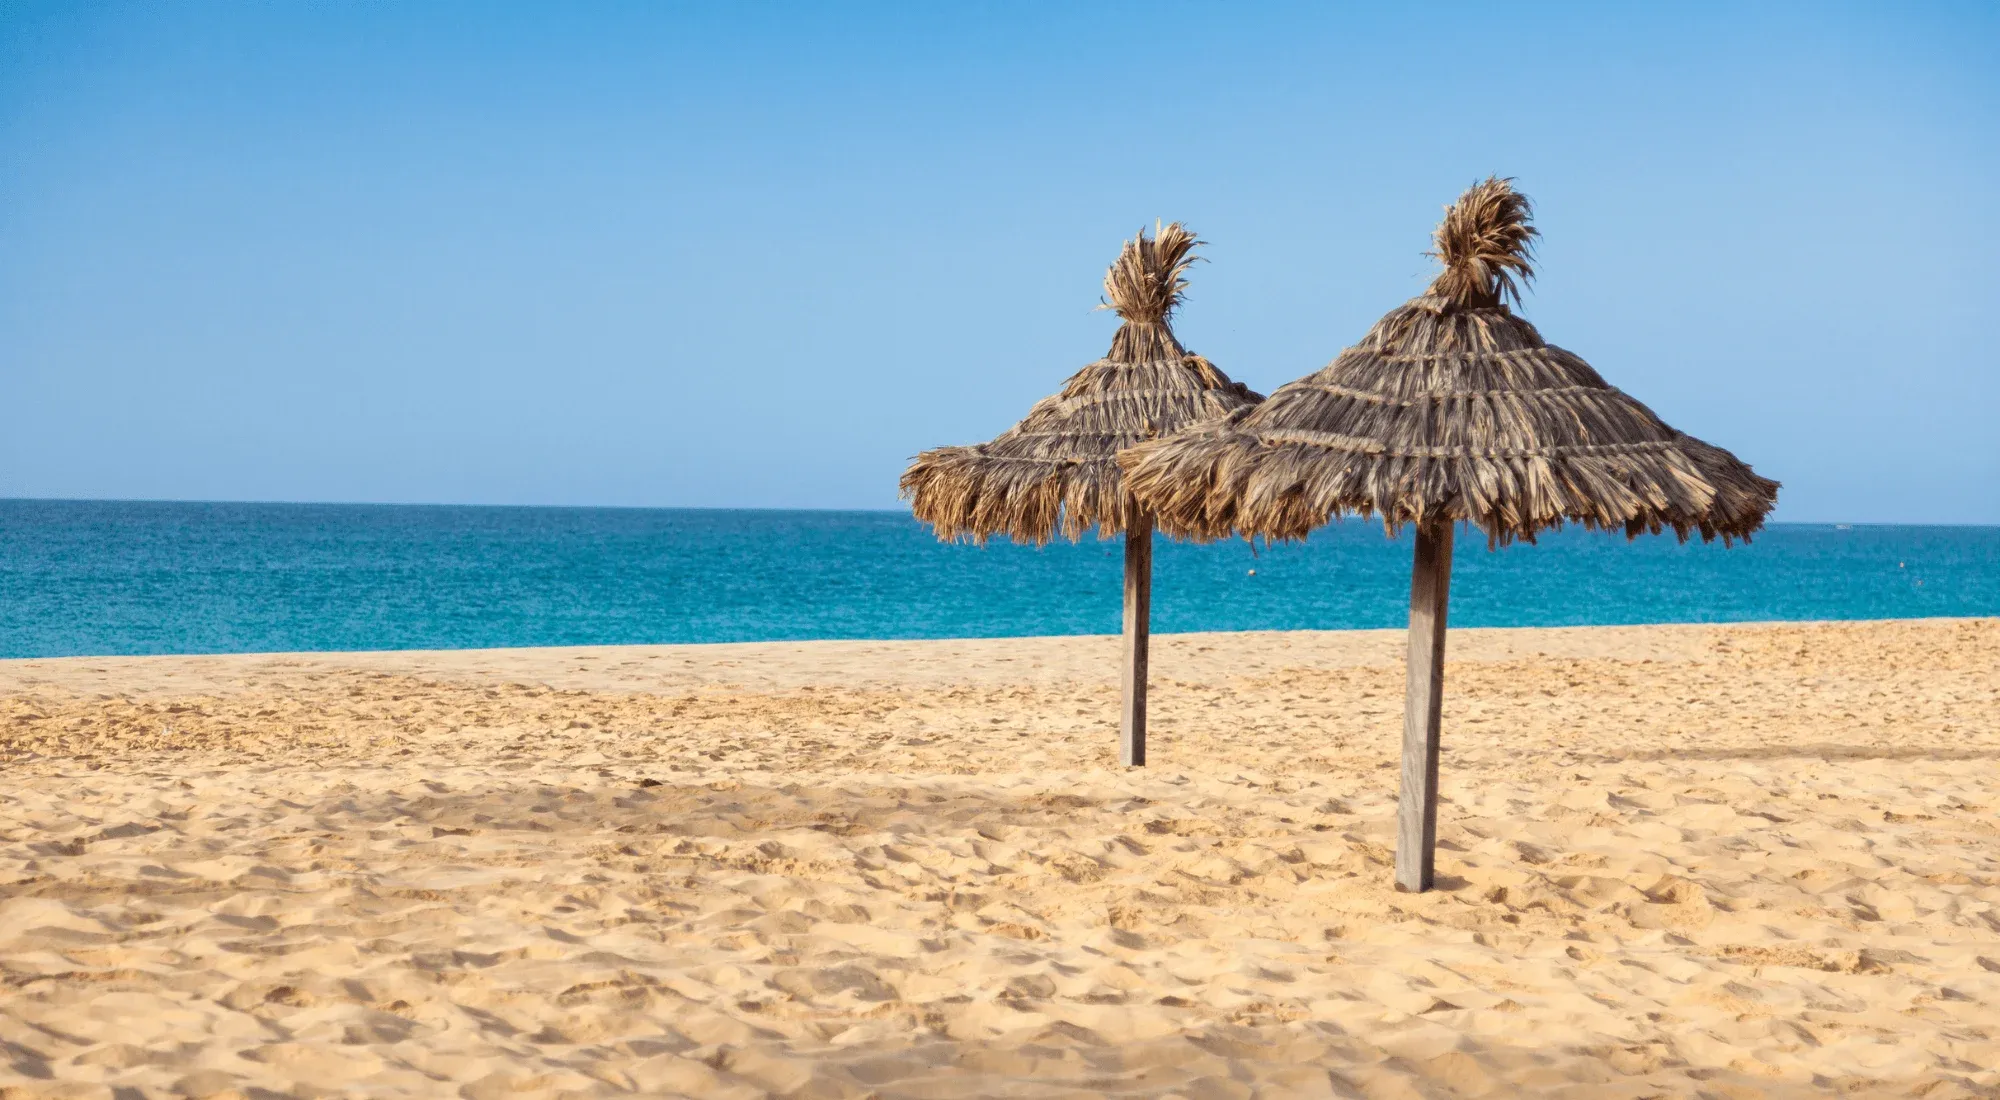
(1055, 474)
(1451, 409)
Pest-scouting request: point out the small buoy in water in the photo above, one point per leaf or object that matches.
(1899, 565)
(1253, 572)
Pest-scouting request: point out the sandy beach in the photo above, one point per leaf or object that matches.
(1737, 861)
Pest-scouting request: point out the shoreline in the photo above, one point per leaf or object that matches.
(1475, 635)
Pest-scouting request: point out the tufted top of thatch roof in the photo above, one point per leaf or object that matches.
(1451, 407)
(1055, 472)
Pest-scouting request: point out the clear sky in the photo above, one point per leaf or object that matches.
(758, 255)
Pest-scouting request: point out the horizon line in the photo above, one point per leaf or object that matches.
(745, 508)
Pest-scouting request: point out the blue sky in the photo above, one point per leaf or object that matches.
(758, 255)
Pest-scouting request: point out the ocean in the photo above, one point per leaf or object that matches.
(102, 578)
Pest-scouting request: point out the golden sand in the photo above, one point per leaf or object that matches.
(1675, 861)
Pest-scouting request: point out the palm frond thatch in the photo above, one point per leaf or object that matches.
(1485, 242)
(1055, 473)
(1144, 286)
(1452, 408)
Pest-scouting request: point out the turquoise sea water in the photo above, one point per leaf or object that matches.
(80, 577)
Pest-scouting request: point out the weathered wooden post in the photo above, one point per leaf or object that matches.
(1417, 805)
(1138, 630)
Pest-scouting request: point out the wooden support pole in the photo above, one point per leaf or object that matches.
(1416, 810)
(1138, 628)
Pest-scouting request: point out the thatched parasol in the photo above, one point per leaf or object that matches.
(1450, 409)
(1056, 473)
